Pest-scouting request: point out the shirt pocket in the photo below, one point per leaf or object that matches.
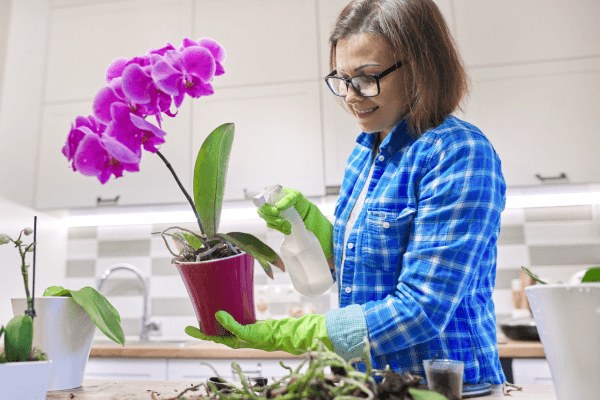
(386, 238)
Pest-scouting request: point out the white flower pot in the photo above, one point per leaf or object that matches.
(568, 321)
(26, 380)
(64, 331)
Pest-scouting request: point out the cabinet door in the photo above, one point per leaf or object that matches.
(59, 187)
(126, 369)
(266, 41)
(85, 39)
(542, 119)
(534, 371)
(180, 369)
(277, 136)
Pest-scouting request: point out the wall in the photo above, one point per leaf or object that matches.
(50, 254)
(554, 242)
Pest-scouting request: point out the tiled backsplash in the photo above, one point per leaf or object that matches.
(555, 242)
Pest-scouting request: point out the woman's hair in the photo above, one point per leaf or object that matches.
(419, 37)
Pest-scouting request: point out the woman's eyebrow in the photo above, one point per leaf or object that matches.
(359, 68)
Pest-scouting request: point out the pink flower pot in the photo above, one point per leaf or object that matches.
(226, 284)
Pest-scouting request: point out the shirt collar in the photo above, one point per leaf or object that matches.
(396, 139)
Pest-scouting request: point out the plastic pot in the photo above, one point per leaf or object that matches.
(64, 331)
(568, 322)
(225, 284)
(25, 380)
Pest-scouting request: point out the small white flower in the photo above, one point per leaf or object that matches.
(4, 238)
(27, 231)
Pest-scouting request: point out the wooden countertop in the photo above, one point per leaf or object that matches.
(205, 349)
(142, 390)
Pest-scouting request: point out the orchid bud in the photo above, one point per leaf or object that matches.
(4, 238)
(27, 231)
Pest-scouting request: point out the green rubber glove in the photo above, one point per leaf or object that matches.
(313, 218)
(293, 335)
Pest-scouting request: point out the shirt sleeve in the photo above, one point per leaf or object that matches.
(459, 200)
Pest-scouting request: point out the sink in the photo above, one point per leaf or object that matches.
(150, 343)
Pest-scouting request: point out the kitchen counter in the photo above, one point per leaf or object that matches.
(204, 349)
(142, 390)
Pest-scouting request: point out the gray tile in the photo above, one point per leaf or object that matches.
(567, 213)
(124, 248)
(564, 255)
(171, 307)
(192, 226)
(85, 232)
(504, 276)
(163, 267)
(131, 326)
(512, 234)
(122, 287)
(80, 268)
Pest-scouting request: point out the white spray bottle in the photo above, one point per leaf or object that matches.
(301, 251)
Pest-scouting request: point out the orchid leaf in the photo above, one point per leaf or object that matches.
(533, 276)
(592, 275)
(104, 315)
(419, 394)
(210, 172)
(255, 248)
(18, 338)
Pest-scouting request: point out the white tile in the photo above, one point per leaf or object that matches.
(125, 232)
(82, 249)
(144, 264)
(173, 328)
(78, 283)
(158, 248)
(167, 286)
(562, 233)
(127, 306)
(512, 216)
(502, 301)
(511, 256)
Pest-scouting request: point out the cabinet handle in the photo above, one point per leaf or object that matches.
(100, 202)
(551, 178)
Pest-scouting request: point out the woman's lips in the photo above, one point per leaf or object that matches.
(366, 113)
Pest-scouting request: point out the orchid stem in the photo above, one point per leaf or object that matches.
(187, 196)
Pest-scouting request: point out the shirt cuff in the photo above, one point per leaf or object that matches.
(346, 328)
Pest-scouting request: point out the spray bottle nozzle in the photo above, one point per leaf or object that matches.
(267, 196)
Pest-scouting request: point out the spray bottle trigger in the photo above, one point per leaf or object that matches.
(267, 196)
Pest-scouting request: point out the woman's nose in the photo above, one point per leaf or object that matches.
(352, 96)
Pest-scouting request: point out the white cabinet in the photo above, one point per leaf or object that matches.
(277, 136)
(58, 186)
(85, 39)
(127, 369)
(531, 371)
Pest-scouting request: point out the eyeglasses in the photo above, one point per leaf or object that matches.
(364, 85)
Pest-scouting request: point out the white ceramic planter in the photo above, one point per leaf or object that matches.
(26, 380)
(568, 321)
(64, 331)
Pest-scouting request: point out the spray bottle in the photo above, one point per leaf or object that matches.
(301, 251)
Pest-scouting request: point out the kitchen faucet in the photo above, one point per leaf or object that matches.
(146, 324)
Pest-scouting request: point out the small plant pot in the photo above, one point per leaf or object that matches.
(226, 284)
(25, 380)
(64, 331)
(567, 317)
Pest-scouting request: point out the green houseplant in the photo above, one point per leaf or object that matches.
(63, 324)
(217, 268)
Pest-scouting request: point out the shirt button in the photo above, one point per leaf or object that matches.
(381, 158)
(386, 225)
(348, 289)
(350, 245)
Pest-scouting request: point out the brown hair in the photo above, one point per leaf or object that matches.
(419, 37)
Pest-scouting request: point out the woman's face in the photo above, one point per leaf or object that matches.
(367, 54)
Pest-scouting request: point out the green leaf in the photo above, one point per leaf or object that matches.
(532, 275)
(193, 240)
(18, 337)
(210, 172)
(418, 394)
(57, 291)
(104, 315)
(592, 275)
(254, 247)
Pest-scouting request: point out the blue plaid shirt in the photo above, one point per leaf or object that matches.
(420, 263)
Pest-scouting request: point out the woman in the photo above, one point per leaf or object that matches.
(418, 217)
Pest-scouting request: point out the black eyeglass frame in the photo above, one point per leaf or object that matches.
(348, 81)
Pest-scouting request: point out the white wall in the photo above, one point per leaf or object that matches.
(4, 24)
(22, 91)
(50, 253)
